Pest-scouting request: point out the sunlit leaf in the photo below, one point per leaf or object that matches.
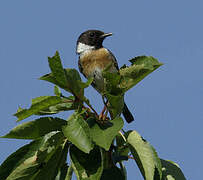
(141, 66)
(66, 104)
(38, 104)
(145, 156)
(29, 161)
(171, 171)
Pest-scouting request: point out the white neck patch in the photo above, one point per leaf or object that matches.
(81, 48)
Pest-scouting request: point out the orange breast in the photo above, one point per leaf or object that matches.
(96, 59)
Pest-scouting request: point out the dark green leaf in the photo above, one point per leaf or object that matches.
(74, 83)
(115, 105)
(38, 104)
(122, 148)
(15, 159)
(113, 173)
(62, 173)
(35, 129)
(118, 158)
(78, 132)
(68, 79)
(112, 81)
(57, 69)
(62, 166)
(140, 68)
(145, 156)
(104, 137)
(73, 80)
(29, 160)
(171, 171)
(86, 166)
(50, 78)
(55, 167)
(123, 170)
(113, 93)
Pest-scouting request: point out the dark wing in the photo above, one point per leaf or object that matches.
(114, 60)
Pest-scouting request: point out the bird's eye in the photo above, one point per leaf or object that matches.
(91, 34)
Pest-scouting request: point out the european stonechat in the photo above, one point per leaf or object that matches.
(94, 58)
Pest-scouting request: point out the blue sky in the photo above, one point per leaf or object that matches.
(167, 104)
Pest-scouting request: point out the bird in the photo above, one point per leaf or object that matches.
(94, 58)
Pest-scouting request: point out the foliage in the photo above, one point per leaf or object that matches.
(96, 147)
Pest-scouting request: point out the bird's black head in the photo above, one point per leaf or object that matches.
(91, 39)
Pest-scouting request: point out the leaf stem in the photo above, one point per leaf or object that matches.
(122, 136)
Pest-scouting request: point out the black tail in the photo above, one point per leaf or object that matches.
(127, 114)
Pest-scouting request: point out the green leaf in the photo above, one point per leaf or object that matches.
(29, 160)
(57, 69)
(104, 137)
(171, 171)
(68, 79)
(57, 91)
(113, 173)
(86, 166)
(74, 84)
(87, 83)
(36, 129)
(141, 66)
(38, 104)
(145, 156)
(113, 93)
(78, 132)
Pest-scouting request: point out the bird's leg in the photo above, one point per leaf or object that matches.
(104, 112)
(101, 116)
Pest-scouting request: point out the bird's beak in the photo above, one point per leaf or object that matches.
(106, 35)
